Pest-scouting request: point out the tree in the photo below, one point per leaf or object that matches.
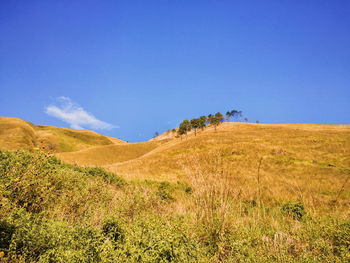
(195, 124)
(219, 116)
(245, 119)
(228, 115)
(202, 122)
(214, 120)
(236, 114)
(184, 127)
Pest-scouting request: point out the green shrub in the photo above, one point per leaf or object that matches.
(295, 210)
(165, 191)
(151, 239)
(41, 240)
(185, 187)
(113, 230)
(107, 176)
(340, 236)
(6, 232)
(39, 183)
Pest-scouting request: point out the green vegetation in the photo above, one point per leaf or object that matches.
(51, 211)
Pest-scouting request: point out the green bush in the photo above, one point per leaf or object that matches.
(340, 237)
(107, 176)
(40, 240)
(39, 183)
(151, 239)
(165, 191)
(113, 230)
(295, 210)
(6, 232)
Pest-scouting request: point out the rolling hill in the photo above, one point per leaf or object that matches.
(294, 157)
(243, 192)
(19, 134)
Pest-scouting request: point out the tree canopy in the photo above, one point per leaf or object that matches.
(201, 122)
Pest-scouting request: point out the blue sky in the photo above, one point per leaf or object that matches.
(130, 68)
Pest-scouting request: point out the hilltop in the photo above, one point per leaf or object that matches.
(16, 133)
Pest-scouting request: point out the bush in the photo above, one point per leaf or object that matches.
(341, 240)
(151, 239)
(113, 230)
(295, 210)
(6, 232)
(40, 183)
(41, 240)
(107, 176)
(165, 191)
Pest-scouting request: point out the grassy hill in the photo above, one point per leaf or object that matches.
(108, 154)
(19, 134)
(242, 193)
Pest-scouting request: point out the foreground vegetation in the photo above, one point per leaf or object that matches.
(56, 212)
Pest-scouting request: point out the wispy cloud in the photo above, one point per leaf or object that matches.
(73, 114)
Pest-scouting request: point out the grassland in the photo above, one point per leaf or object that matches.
(243, 193)
(19, 134)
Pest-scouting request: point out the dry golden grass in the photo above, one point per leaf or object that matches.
(309, 162)
(229, 185)
(104, 155)
(18, 134)
(306, 162)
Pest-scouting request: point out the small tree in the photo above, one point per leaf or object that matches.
(195, 124)
(213, 120)
(184, 127)
(202, 122)
(228, 115)
(219, 116)
(236, 114)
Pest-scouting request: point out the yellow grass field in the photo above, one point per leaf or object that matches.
(265, 192)
(298, 161)
(19, 134)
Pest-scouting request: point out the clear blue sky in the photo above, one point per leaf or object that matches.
(146, 65)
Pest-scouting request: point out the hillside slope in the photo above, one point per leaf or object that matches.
(108, 154)
(290, 162)
(19, 134)
(269, 193)
(310, 145)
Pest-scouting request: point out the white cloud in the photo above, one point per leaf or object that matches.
(76, 116)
